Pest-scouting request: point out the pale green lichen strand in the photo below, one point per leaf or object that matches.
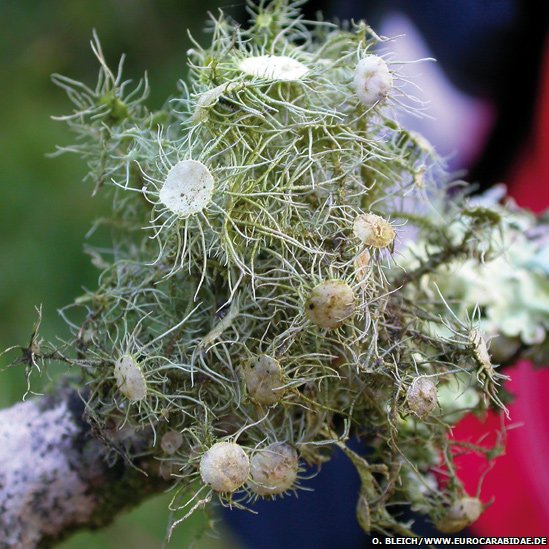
(257, 189)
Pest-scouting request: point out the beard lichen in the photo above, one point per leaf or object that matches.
(250, 231)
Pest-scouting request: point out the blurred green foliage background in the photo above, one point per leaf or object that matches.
(45, 208)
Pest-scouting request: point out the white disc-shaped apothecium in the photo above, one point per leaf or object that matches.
(129, 378)
(273, 67)
(462, 513)
(171, 441)
(273, 469)
(422, 397)
(209, 98)
(330, 304)
(372, 81)
(373, 230)
(225, 467)
(362, 266)
(188, 188)
(264, 378)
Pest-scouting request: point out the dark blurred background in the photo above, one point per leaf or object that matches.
(489, 51)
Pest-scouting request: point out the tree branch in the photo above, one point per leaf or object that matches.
(54, 478)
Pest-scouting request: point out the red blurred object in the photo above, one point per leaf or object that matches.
(519, 481)
(529, 181)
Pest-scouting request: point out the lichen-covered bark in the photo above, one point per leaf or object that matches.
(53, 476)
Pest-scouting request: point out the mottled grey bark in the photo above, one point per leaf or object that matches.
(53, 475)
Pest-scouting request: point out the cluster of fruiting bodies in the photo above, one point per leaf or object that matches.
(258, 320)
